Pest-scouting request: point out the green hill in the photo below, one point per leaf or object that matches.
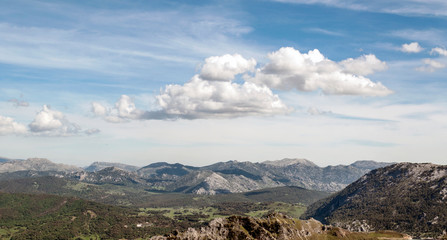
(38, 216)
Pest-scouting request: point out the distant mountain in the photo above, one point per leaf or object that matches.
(112, 175)
(290, 161)
(234, 176)
(163, 170)
(97, 166)
(274, 226)
(406, 197)
(35, 164)
(218, 178)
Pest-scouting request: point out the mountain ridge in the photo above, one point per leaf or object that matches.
(217, 178)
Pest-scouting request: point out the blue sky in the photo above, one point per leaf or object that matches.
(198, 82)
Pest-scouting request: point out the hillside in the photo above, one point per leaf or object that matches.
(26, 216)
(405, 197)
(137, 196)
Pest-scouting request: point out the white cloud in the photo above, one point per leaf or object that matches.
(430, 65)
(224, 68)
(363, 65)
(9, 126)
(212, 99)
(438, 50)
(289, 69)
(125, 108)
(210, 94)
(98, 109)
(213, 94)
(53, 123)
(123, 111)
(413, 47)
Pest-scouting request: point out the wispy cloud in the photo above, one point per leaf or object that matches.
(325, 32)
(430, 36)
(403, 7)
(122, 41)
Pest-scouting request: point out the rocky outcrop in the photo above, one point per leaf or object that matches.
(275, 226)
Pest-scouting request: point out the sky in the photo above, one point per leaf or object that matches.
(198, 82)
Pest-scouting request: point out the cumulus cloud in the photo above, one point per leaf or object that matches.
(9, 126)
(210, 94)
(123, 111)
(19, 103)
(226, 67)
(439, 51)
(290, 69)
(430, 65)
(413, 47)
(211, 99)
(49, 122)
(213, 94)
(363, 65)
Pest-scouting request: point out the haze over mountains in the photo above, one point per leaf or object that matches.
(222, 177)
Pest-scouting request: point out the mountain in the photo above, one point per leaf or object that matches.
(290, 161)
(247, 176)
(406, 197)
(166, 171)
(97, 166)
(35, 164)
(112, 175)
(218, 178)
(274, 226)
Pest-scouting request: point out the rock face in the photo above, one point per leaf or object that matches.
(275, 226)
(35, 164)
(406, 197)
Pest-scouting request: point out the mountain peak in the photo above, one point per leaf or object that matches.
(290, 161)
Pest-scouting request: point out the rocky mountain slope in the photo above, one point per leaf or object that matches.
(405, 197)
(275, 226)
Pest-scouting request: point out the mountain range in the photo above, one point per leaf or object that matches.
(222, 177)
